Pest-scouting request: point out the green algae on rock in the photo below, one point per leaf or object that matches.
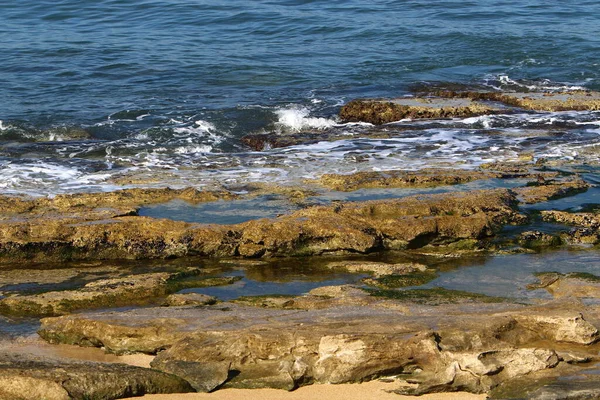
(434, 296)
(360, 227)
(131, 290)
(399, 179)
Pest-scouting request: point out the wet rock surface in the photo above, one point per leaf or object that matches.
(410, 222)
(570, 285)
(423, 178)
(384, 111)
(452, 104)
(131, 290)
(551, 190)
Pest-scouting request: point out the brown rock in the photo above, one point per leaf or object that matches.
(38, 379)
(190, 299)
(114, 292)
(377, 268)
(577, 100)
(399, 179)
(384, 111)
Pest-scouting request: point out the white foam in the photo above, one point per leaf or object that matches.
(544, 84)
(296, 119)
(193, 149)
(2, 127)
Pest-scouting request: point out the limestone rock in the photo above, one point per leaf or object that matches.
(361, 227)
(202, 376)
(42, 379)
(576, 100)
(564, 326)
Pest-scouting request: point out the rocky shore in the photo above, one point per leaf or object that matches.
(91, 270)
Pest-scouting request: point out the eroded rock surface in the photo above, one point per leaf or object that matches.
(473, 347)
(362, 227)
(31, 378)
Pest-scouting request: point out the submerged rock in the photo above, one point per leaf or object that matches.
(574, 284)
(550, 190)
(377, 268)
(384, 111)
(131, 290)
(190, 299)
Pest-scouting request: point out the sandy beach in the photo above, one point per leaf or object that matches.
(374, 390)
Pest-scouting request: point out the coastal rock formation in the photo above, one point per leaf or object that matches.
(398, 179)
(131, 290)
(475, 347)
(32, 378)
(455, 104)
(410, 222)
(384, 111)
(576, 100)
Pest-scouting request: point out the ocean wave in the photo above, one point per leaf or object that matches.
(504, 82)
(296, 119)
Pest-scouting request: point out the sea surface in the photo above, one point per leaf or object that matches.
(94, 92)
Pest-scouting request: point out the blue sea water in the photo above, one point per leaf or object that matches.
(172, 85)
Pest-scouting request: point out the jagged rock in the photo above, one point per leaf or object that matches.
(441, 348)
(588, 220)
(384, 111)
(23, 378)
(566, 326)
(480, 372)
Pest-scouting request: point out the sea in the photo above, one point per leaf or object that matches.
(97, 95)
